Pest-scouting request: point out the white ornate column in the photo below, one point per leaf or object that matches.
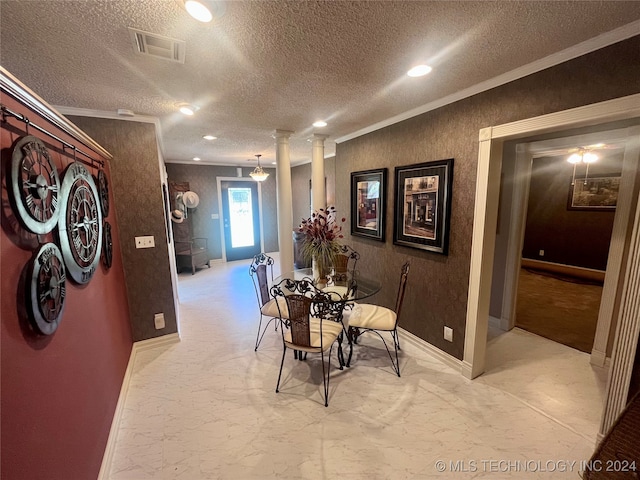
(318, 187)
(285, 200)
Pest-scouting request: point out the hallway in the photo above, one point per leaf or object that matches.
(206, 407)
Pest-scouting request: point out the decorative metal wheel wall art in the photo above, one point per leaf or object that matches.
(46, 289)
(107, 246)
(103, 190)
(35, 185)
(80, 228)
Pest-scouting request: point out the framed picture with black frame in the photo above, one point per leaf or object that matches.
(423, 205)
(598, 193)
(368, 203)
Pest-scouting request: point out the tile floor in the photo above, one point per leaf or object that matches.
(206, 408)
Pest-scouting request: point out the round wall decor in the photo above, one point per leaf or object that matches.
(81, 224)
(46, 289)
(35, 185)
(103, 190)
(107, 246)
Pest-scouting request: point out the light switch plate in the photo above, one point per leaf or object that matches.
(448, 334)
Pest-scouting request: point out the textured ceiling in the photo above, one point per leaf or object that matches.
(267, 65)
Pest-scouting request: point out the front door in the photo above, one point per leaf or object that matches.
(240, 219)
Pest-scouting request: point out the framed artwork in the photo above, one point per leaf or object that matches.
(423, 205)
(368, 203)
(594, 193)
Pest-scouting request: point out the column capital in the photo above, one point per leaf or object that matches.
(320, 136)
(282, 133)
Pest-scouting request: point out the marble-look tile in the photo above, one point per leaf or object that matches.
(206, 408)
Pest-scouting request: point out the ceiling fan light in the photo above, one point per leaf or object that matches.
(198, 11)
(574, 158)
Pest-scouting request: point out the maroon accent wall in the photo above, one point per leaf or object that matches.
(572, 237)
(59, 392)
(438, 285)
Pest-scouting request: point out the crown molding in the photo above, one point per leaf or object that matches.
(575, 51)
(88, 112)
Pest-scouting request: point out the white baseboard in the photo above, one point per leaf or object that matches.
(124, 389)
(425, 346)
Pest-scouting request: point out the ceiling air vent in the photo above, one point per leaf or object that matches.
(154, 45)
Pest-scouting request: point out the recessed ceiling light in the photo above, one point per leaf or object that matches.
(419, 70)
(198, 10)
(319, 123)
(187, 109)
(209, 137)
(273, 163)
(196, 159)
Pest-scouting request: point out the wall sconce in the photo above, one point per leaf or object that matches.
(581, 156)
(258, 174)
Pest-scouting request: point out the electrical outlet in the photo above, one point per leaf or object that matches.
(448, 334)
(158, 320)
(145, 242)
(541, 253)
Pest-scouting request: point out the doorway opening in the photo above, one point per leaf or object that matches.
(568, 217)
(241, 232)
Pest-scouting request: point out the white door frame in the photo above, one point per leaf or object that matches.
(219, 180)
(491, 140)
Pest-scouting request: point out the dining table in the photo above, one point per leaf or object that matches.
(344, 290)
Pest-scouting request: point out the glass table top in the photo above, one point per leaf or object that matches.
(354, 287)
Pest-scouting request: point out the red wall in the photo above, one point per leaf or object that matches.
(59, 392)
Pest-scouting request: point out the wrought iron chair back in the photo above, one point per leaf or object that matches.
(344, 264)
(313, 322)
(260, 270)
(260, 277)
(404, 274)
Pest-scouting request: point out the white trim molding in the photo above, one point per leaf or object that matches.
(484, 234)
(431, 350)
(137, 347)
(575, 51)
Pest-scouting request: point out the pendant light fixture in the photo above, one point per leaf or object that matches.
(258, 174)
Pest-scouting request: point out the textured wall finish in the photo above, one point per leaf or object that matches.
(140, 210)
(203, 180)
(437, 288)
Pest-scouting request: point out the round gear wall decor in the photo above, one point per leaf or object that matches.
(103, 190)
(80, 225)
(35, 185)
(107, 246)
(46, 289)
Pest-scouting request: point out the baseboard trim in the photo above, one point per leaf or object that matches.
(579, 272)
(425, 346)
(124, 390)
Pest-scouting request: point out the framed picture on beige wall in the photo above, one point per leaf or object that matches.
(423, 205)
(368, 203)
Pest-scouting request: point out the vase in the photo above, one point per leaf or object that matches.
(320, 271)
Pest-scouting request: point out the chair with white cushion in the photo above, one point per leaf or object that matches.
(366, 317)
(260, 270)
(313, 325)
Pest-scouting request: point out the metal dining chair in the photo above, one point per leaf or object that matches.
(366, 317)
(313, 324)
(260, 270)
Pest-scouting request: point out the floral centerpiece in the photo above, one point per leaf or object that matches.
(320, 244)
